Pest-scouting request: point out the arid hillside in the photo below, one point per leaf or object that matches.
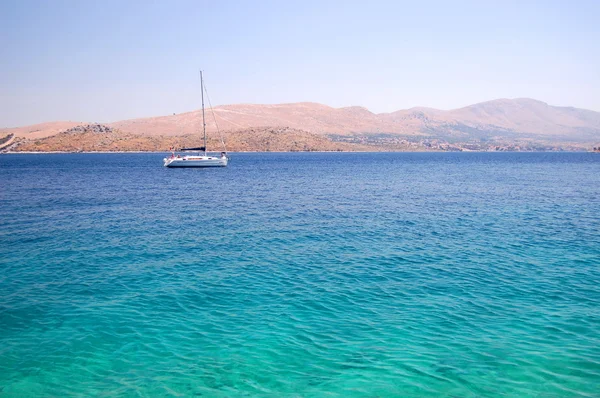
(39, 130)
(311, 117)
(508, 119)
(101, 138)
(503, 117)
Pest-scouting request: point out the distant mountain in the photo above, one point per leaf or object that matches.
(311, 117)
(507, 119)
(498, 118)
(525, 115)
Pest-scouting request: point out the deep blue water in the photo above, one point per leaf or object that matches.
(305, 275)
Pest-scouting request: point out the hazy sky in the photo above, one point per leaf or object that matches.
(106, 60)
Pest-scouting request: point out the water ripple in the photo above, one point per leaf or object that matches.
(452, 275)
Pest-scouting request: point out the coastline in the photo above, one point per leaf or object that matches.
(375, 151)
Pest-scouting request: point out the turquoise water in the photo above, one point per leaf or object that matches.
(301, 275)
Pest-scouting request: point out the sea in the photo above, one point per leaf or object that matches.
(301, 275)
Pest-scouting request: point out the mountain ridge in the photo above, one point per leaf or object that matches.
(503, 117)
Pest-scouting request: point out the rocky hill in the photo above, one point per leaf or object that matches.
(102, 138)
(503, 121)
(499, 118)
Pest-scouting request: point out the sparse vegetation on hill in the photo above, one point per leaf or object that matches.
(284, 139)
(4, 140)
(101, 138)
(505, 118)
(517, 124)
(91, 128)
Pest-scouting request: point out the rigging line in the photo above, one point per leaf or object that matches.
(230, 122)
(215, 118)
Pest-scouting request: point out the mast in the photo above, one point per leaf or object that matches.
(203, 120)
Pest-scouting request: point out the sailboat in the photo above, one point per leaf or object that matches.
(202, 159)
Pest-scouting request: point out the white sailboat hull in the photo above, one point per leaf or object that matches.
(196, 161)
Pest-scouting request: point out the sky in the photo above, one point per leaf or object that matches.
(109, 60)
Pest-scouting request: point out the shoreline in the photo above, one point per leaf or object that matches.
(167, 152)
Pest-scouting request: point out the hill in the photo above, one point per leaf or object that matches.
(311, 117)
(499, 118)
(41, 130)
(102, 138)
(502, 121)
